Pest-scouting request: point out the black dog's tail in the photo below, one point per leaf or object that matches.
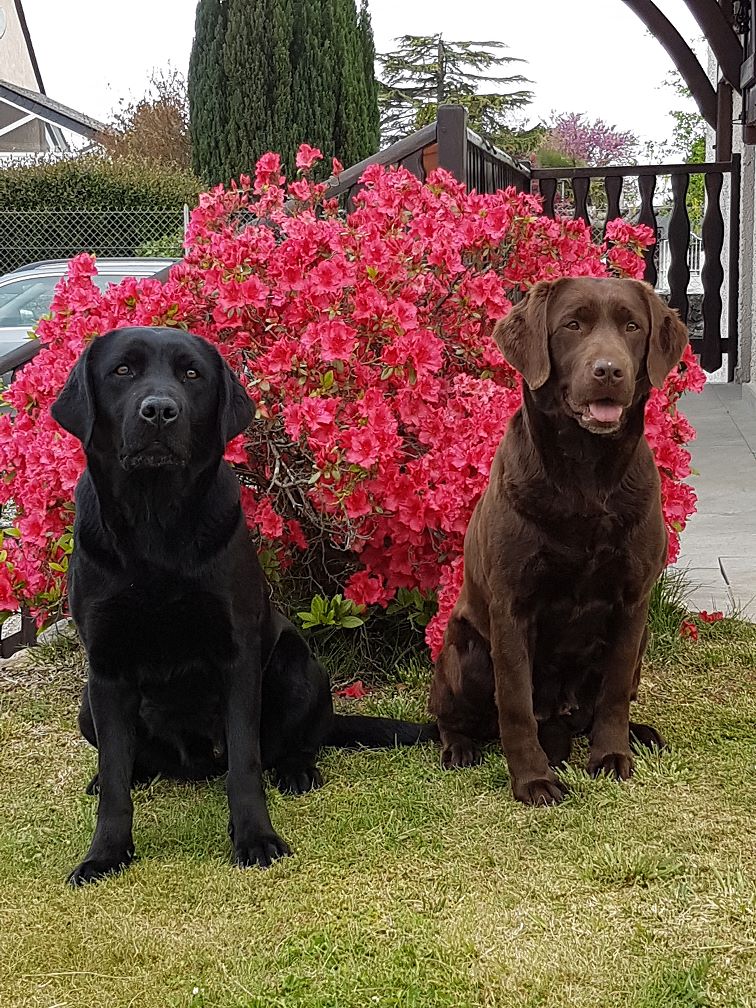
(351, 731)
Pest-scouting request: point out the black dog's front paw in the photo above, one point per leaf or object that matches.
(297, 780)
(261, 852)
(94, 869)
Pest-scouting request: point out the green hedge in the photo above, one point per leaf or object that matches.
(95, 183)
(54, 210)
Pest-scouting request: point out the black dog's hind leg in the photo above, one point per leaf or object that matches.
(297, 711)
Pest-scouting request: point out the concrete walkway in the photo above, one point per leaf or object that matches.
(719, 543)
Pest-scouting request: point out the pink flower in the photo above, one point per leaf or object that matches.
(355, 691)
(689, 629)
(365, 589)
(236, 450)
(307, 156)
(710, 617)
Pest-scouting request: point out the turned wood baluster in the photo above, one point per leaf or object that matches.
(678, 238)
(580, 188)
(613, 187)
(712, 274)
(548, 188)
(647, 186)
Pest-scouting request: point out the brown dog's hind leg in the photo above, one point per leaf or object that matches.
(462, 696)
(555, 739)
(646, 736)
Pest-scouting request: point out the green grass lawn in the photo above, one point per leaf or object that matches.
(410, 886)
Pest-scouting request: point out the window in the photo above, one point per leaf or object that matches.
(25, 301)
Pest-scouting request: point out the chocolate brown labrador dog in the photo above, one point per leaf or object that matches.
(547, 636)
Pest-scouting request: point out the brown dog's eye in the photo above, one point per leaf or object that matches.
(632, 327)
(574, 325)
(191, 374)
(123, 370)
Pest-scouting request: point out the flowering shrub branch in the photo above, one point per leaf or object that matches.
(365, 342)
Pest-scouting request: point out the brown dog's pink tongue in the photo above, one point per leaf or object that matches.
(605, 411)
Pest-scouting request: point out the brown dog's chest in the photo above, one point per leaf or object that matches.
(573, 594)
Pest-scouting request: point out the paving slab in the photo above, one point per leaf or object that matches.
(718, 547)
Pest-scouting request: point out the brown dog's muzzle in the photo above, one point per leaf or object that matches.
(599, 385)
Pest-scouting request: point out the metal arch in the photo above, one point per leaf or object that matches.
(681, 55)
(720, 35)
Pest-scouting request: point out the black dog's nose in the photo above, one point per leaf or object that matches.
(607, 372)
(159, 410)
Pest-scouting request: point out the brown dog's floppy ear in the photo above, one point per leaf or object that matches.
(523, 336)
(74, 409)
(667, 339)
(235, 406)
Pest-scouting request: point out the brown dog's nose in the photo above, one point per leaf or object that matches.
(159, 410)
(607, 373)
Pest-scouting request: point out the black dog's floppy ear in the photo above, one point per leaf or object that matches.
(523, 336)
(667, 340)
(235, 406)
(74, 409)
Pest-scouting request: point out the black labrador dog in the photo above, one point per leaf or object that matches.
(192, 671)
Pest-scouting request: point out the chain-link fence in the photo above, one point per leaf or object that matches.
(28, 236)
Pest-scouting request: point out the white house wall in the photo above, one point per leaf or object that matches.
(16, 65)
(745, 371)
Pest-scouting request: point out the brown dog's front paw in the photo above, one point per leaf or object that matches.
(618, 766)
(461, 754)
(538, 791)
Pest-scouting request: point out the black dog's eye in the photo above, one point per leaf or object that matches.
(191, 374)
(574, 325)
(123, 370)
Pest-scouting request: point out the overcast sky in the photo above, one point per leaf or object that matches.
(590, 56)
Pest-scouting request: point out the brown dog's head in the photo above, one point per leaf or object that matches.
(598, 343)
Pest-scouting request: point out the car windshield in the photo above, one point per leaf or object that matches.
(24, 301)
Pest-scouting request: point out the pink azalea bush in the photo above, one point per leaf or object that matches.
(365, 342)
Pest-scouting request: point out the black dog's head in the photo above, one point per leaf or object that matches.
(595, 346)
(154, 397)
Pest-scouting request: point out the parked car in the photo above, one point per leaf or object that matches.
(26, 293)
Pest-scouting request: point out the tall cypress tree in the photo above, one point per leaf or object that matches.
(271, 74)
(373, 114)
(350, 127)
(208, 98)
(314, 58)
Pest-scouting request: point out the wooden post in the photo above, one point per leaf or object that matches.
(723, 141)
(452, 140)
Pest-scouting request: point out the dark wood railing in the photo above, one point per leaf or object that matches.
(712, 344)
(446, 143)
(25, 636)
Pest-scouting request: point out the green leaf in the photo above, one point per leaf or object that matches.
(351, 621)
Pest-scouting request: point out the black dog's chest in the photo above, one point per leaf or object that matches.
(155, 632)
